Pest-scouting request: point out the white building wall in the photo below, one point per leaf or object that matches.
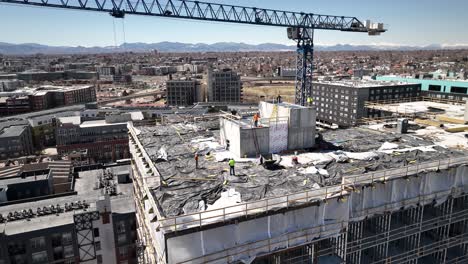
(106, 231)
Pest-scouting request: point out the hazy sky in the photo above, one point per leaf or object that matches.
(410, 22)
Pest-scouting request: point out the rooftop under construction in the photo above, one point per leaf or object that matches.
(370, 194)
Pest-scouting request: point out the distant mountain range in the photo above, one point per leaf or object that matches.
(33, 48)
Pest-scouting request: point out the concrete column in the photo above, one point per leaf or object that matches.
(466, 112)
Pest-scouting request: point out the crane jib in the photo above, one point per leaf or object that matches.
(300, 26)
(207, 11)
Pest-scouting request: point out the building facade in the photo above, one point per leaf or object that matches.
(433, 85)
(100, 140)
(224, 86)
(183, 92)
(87, 225)
(44, 97)
(342, 103)
(15, 140)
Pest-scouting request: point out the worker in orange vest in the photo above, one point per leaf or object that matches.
(255, 119)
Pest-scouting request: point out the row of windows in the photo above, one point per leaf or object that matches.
(396, 89)
(393, 96)
(343, 90)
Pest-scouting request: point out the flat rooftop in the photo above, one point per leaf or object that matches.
(365, 83)
(19, 179)
(12, 131)
(420, 107)
(86, 191)
(98, 123)
(339, 153)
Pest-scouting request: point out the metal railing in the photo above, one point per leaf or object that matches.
(416, 99)
(200, 219)
(311, 235)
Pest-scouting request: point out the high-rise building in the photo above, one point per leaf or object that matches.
(224, 86)
(183, 92)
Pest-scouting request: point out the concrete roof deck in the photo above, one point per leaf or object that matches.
(416, 107)
(365, 83)
(344, 152)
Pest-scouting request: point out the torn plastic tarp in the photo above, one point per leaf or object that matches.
(162, 155)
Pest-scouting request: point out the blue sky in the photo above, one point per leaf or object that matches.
(410, 22)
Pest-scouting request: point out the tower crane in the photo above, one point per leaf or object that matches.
(300, 26)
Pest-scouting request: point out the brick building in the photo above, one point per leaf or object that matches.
(44, 97)
(100, 140)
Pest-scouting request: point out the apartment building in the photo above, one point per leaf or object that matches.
(44, 97)
(183, 92)
(92, 223)
(15, 139)
(342, 102)
(224, 86)
(102, 141)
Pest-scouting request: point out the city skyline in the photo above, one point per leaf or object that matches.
(408, 24)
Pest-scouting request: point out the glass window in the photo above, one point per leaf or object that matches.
(98, 245)
(122, 238)
(39, 257)
(123, 252)
(67, 238)
(68, 251)
(96, 232)
(121, 227)
(37, 242)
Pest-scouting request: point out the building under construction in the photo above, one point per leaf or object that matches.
(377, 193)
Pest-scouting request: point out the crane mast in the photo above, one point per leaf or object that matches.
(300, 25)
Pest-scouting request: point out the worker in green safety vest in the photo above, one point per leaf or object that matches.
(310, 101)
(232, 162)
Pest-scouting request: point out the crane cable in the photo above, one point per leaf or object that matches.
(115, 34)
(123, 31)
(123, 26)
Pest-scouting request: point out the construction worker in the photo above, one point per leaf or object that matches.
(309, 101)
(278, 99)
(255, 119)
(232, 163)
(196, 160)
(295, 160)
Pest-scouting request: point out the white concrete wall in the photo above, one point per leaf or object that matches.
(247, 141)
(465, 116)
(301, 123)
(314, 221)
(302, 129)
(186, 247)
(106, 232)
(229, 130)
